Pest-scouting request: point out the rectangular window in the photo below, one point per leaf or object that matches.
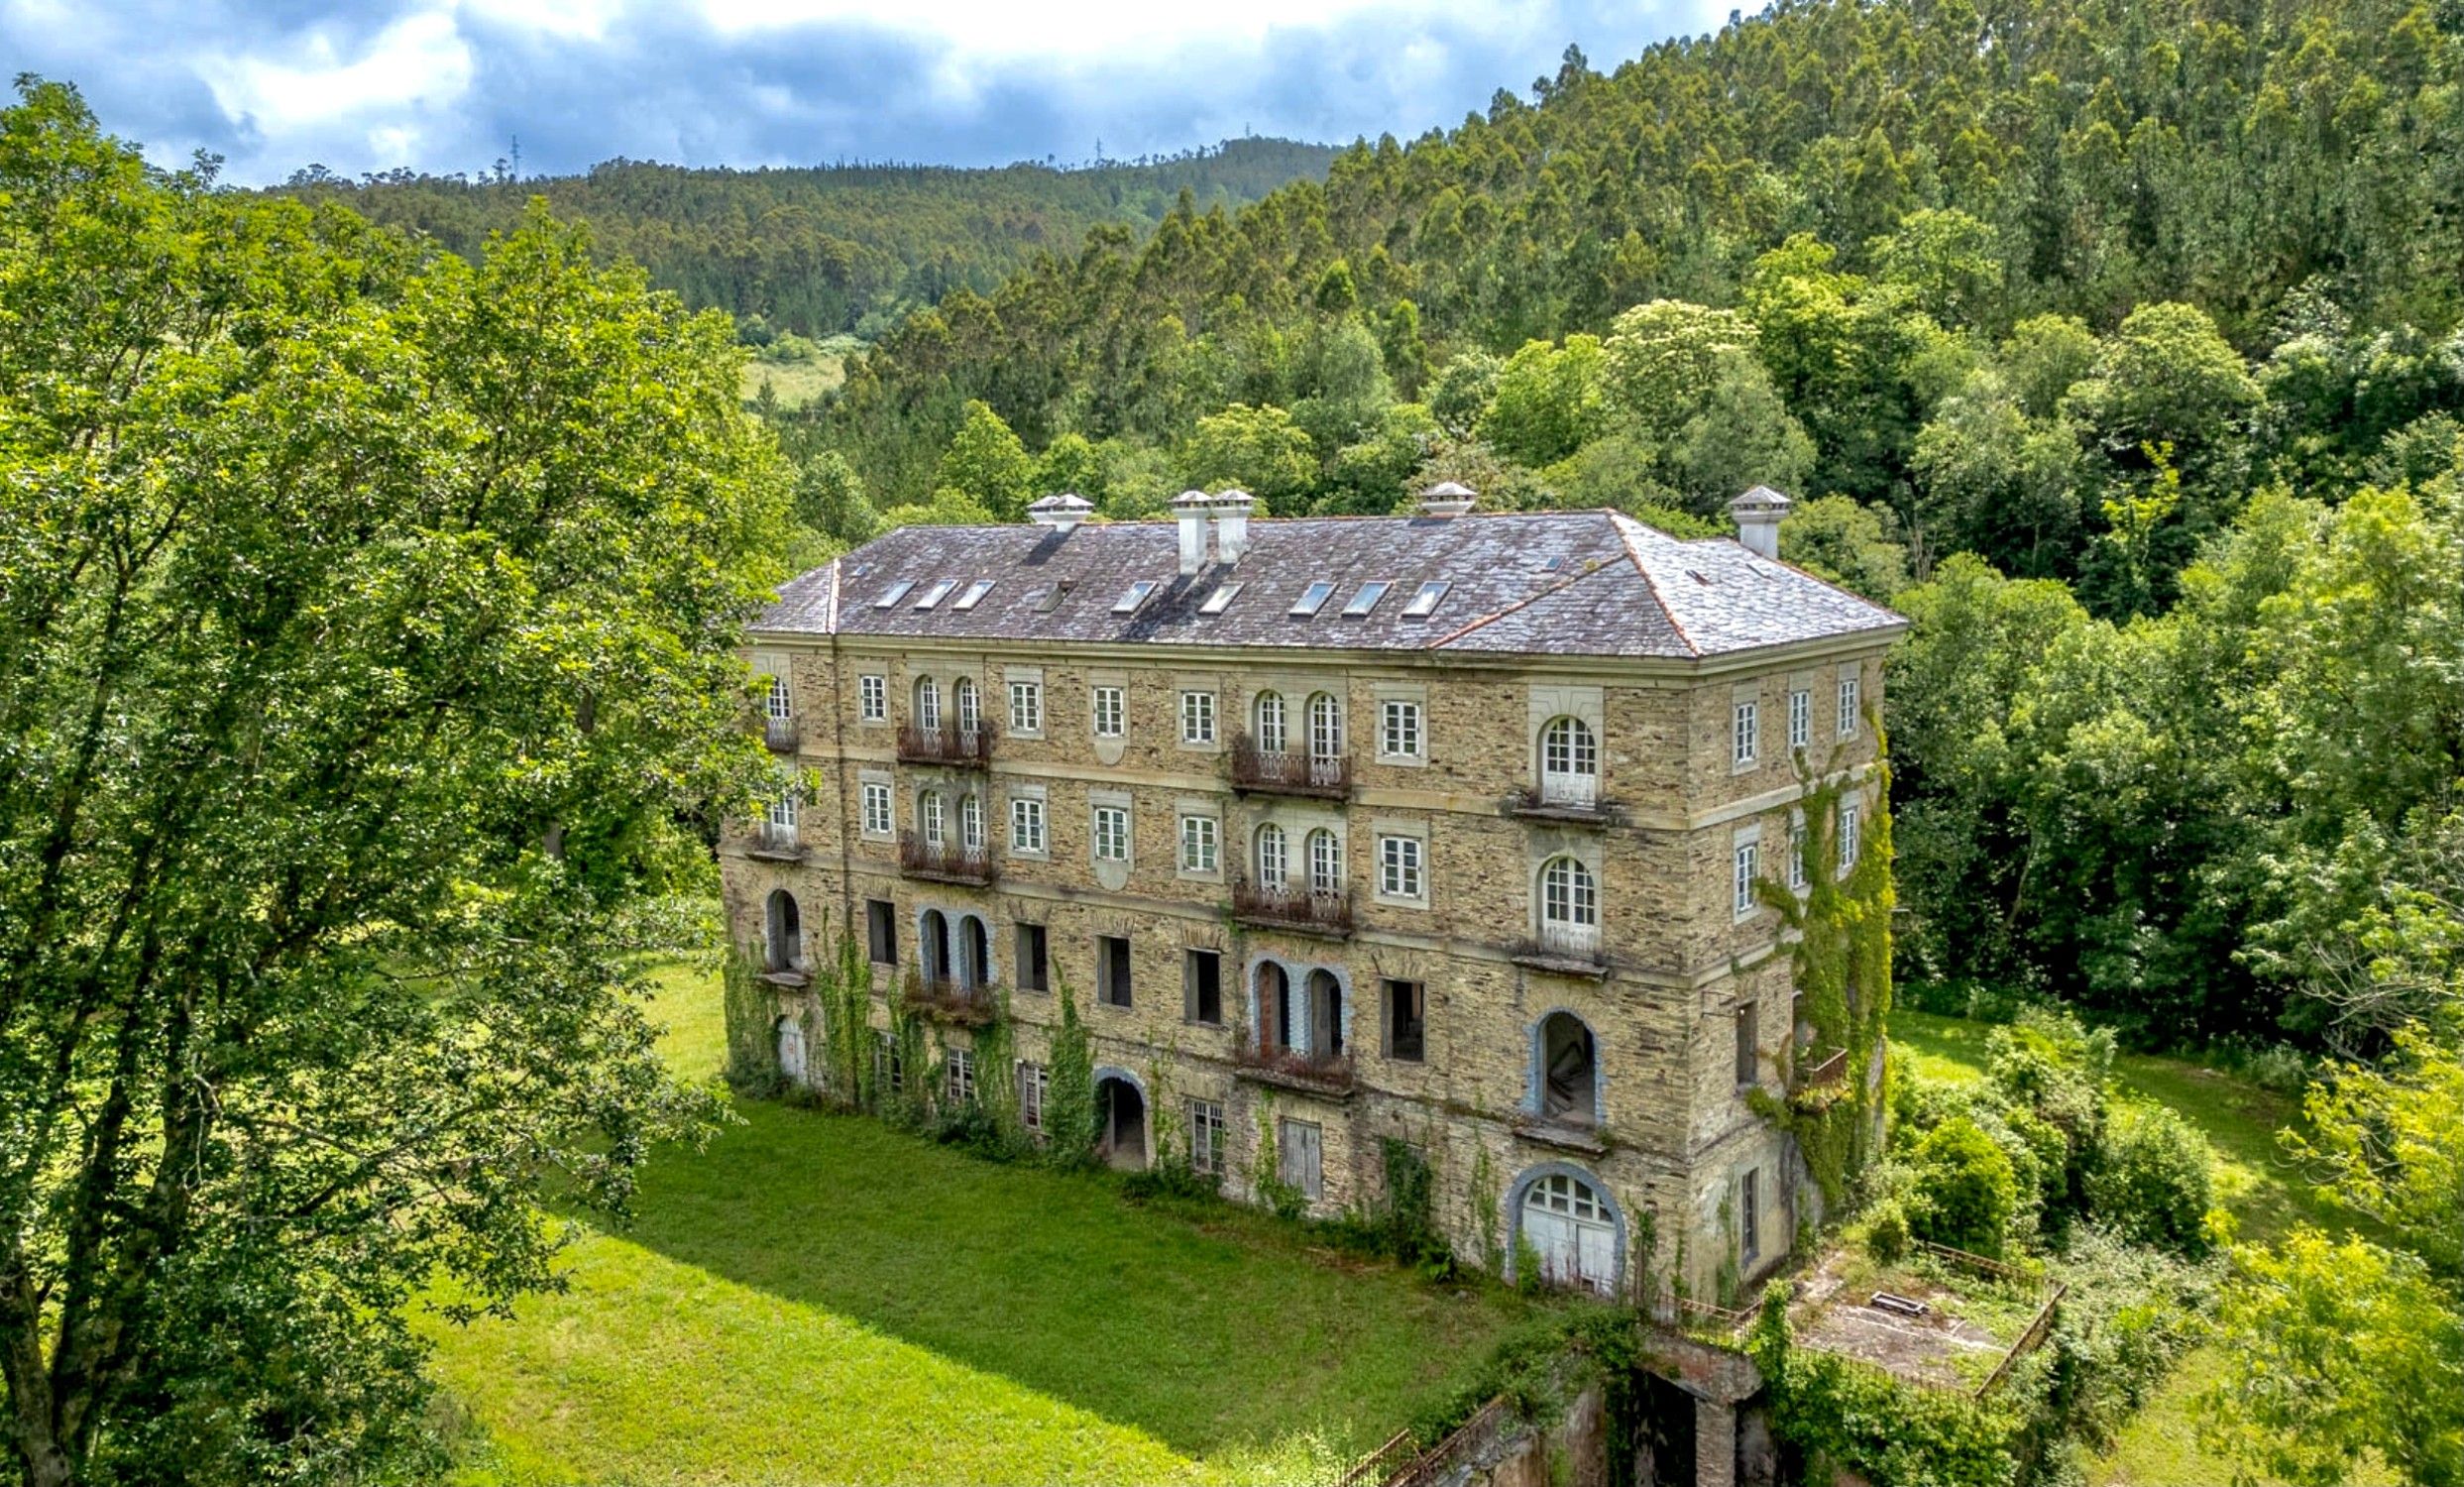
(974, 594)
(1749, 1067)
(1406, 1020)
(959, 1075)
(1847, 834)
(1206, 1136)
(776, 701)
(1424, 602)
(881, 929)
(1111, 834)
(1202, 986)
(929, 816)
(1298, 1158)
(1366, 598)
(877, 822)
(1746, 736)
(893, 594)
(875, 695)
(1399, 730)
(1112, 969)
(1197, 717)
(1399, 865)
(1800, 718)
(1850, 690)
(1749, 866)
(1033, 1082)
(889, 1072)
(1199, 846)
(1026, 707)
(1026, 825)
(1796, 856)
(1108, 712)
(936, 594)
(1137, 594)
(1312, 599)
(1217, 602)
(1034, 959)
(1750, 1214)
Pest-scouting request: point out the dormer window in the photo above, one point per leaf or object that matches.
(891, 595)
(1217, 602)
(936, 594)
(1313, 599)
(974, 594)
(1424, 602)
(1367, 598)
(1135, 596)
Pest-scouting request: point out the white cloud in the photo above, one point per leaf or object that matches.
(418, 65)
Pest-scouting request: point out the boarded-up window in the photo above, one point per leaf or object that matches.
(1300, 1158)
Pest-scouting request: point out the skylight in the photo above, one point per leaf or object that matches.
(1314, 597)
(1217, 600)
(1135, 596)
(1424, 602)
(1048, 600)
(895, 593)
(936, 594)
(974, 594)
(1367, 598)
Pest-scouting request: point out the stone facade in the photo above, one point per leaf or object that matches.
(1671, 1137)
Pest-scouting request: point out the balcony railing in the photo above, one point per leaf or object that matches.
(1292, 908)
(1281, 772)
(950, 1001)
(1574, 949)
(1823, 1073)
(780, 734)
(1573, 798)
(1290, 1069)
(775, 840)
(944, 861)
(964, 747)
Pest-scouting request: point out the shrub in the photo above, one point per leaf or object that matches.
(1886, 1233)
(1966, 1190)
(2155, 1180)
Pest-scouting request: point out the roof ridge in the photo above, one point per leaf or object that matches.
(1484, 621)
(830, 624)
(1626, 528)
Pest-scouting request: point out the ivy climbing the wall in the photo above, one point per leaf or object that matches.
(1069, 1098)
(750, 1006)
(1841, 961)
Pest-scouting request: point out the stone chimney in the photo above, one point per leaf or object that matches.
(1190, 509)
(1061, 512)
(1447, 499)
(1232, 508)
(1758, 513)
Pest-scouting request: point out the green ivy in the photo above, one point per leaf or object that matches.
(1848, 1416)
(1069, 1098)
(751, 1008)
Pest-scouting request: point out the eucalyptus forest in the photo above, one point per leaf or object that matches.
(2117, 344)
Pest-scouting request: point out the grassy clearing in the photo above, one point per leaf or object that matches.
(800, 380)
(2257, 1185)
(818, 1298)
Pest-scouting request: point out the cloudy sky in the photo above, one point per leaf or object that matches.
(448, 85)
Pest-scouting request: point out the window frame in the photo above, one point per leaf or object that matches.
(1801, 717)
(1271, 830)
(1192, 985)
(1032, 944)
(1413, 734)
(1109, 825)
(1116, 992)
(959, 1074)
(1320, 878)
(873, 698)
(1745, 735)
(1745, 868)
(1025, 709)
(1580, 891)
(1394, 848)
(1034, 1085)
(1197, 718)
(1851, 699)
(1118, 698)
(881, 931)
(1201, 844)
(877, 809)
(1029, 811)
(1391, 992)
(1206, 1136)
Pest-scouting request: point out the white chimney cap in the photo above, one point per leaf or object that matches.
(1192, 501)
(1236, 501)
(1447, 499)
(1758, 500)
(1063, 510)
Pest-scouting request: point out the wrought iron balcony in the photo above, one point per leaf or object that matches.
(950, 1001)
(1290, 1069)
(1573, 799)
(944, 862)
(781, 733)
(1282, 772)
(962, 748)
(1328, 914)
(1569, 949)
(1824, 1073)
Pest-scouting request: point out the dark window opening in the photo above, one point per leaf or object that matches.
(1204, 983)
(881, 929)
(1112, 969)
(1406, 1020)
(1034, 972)
(1747, 1054)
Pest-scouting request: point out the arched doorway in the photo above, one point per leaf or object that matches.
(1121, 1121)
(1569, 1071)
(936, 946)
(784, 924)
(791, 1050)
(1275, 1027)
(1570, 1225)
(1325, 1014)
(974, 954)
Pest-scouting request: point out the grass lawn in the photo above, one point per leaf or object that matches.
(2262, 1191)
(820, 1299)
(797, 383)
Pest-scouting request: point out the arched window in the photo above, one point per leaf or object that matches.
(1571, 1232)
(1569, 902)
(785, 929)
(1274, 861)
(1569, 762)
(776, 703)
(1325, 727)
(1568, 1072)
(927, 703)
(1269, 710)
(971, 822)
(974, 953)
(1325, 1015)
(929, 813)
(1325, 861)
(1275, 1027)
(969, 707)
(936, 947)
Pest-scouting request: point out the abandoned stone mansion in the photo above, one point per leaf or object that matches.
(1445, 828)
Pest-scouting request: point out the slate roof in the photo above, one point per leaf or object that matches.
(1535, 583)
